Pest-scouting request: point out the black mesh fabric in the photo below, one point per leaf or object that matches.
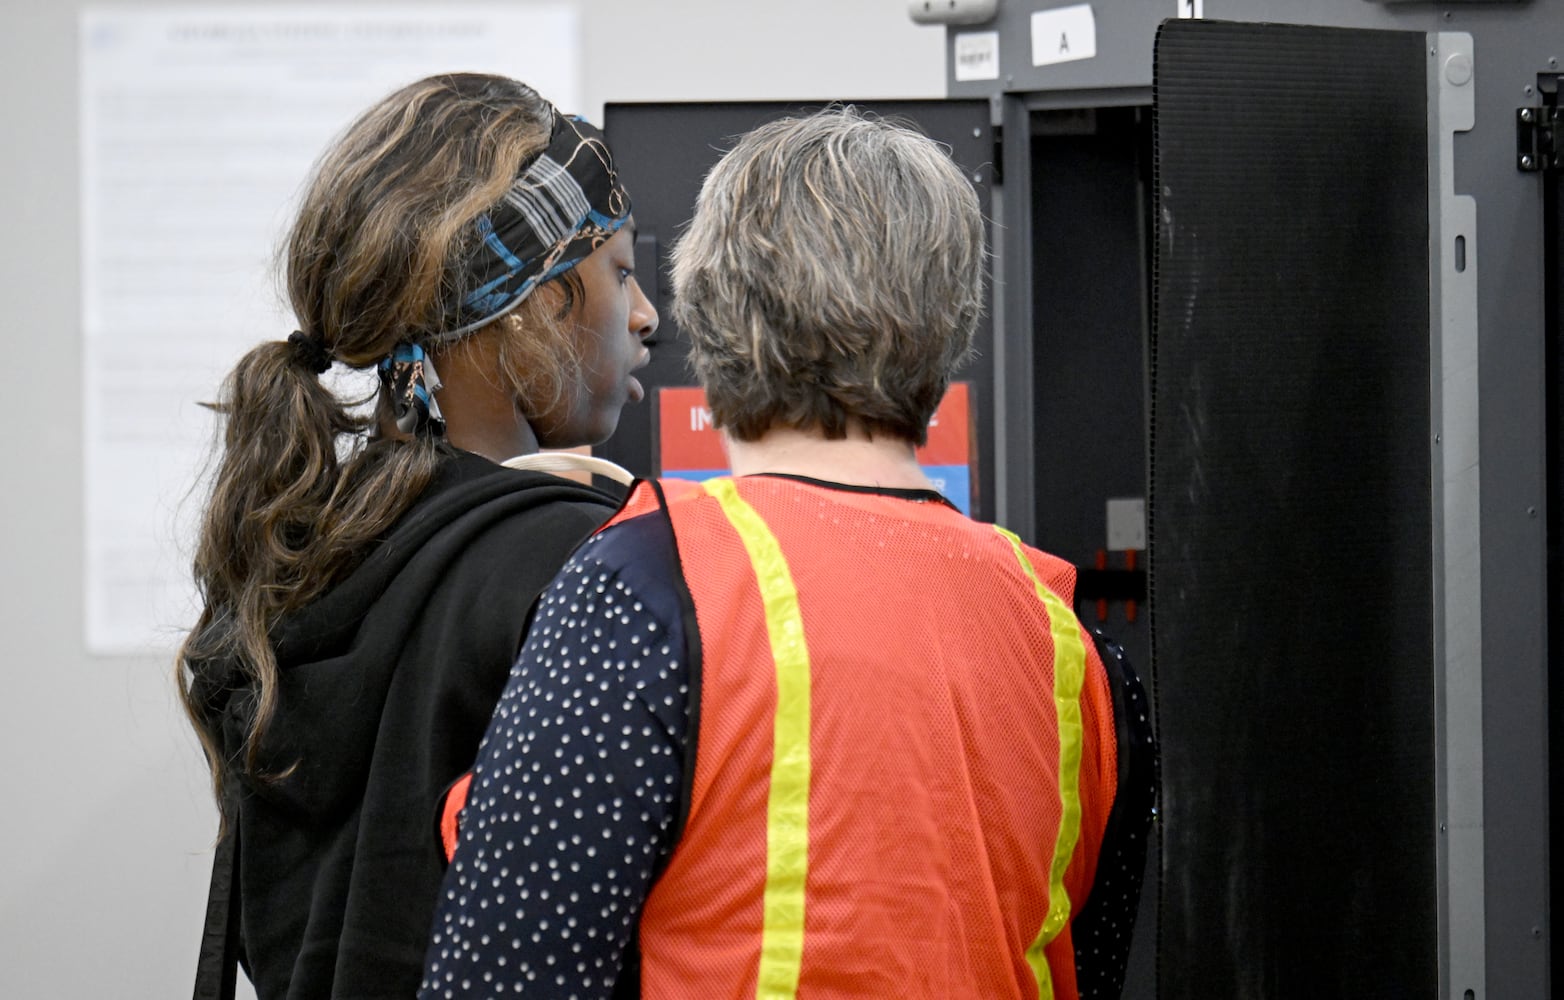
(1291, 572)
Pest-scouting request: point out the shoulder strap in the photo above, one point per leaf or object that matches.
(569, 461)
(217, 967)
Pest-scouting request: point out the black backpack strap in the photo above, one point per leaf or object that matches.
(217, 967)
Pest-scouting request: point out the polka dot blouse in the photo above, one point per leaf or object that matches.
(576, 788)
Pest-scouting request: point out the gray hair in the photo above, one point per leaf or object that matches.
(833, 274)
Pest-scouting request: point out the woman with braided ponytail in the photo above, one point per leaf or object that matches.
(366, 581)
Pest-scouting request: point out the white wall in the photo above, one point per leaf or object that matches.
(105, 824)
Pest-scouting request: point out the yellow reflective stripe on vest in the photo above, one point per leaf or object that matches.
(1069, 677)
(787, 803)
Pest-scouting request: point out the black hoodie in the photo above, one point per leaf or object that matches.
(386, 685)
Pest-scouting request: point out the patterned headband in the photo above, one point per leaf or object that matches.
(566, 204)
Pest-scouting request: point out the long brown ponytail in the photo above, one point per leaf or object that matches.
(302, 488)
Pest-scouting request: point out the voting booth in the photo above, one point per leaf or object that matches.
(1272, 355)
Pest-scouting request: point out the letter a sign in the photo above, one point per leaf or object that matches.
(1063, 34)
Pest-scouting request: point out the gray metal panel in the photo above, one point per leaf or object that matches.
(1456, 523)
(1126, 30)
(1510, 52)
(1511, 46)
(1015, 470)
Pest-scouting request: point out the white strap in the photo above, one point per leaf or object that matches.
(569, 461)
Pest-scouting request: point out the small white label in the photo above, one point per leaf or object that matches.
(1064, 34)
(1188, 9)
(1126, 524)
(977, 55)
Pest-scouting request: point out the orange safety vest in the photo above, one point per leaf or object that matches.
(905, 753)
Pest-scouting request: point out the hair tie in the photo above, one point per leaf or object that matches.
(309, 352)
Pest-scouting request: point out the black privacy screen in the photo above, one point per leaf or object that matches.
(1291, 573)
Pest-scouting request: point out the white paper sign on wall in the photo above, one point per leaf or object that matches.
(977, 55)
(1064, 34)
(1190, 9)
(199, 124)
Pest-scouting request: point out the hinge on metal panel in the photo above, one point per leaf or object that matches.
(1539, 138)
(1539, 130)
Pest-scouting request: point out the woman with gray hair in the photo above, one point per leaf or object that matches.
(808, 730)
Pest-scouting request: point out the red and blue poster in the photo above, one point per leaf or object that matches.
(947, 457)
(689, 447)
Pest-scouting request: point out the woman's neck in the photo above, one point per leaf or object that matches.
(855, 460)
(480, 409)
(494, 440)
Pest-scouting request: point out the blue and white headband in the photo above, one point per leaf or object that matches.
(563, 206)
(566, 204)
